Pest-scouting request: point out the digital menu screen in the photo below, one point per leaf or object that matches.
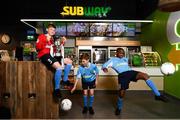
(100, 29)
(124, 29)
(61, 29)
(82, 29)
(78, 29)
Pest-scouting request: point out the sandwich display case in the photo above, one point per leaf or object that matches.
(151, 58)
(140, 59)
(136, 59)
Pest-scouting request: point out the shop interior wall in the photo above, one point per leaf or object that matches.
(17, 33)
(155, 34)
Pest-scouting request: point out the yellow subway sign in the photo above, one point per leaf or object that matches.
(85, 11)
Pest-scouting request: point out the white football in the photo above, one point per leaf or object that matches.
(66, 104)
(167, 68)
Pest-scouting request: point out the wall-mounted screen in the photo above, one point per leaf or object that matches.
(61, 29)
(85, 29)
(124, 29)
(100, 29)
(31, 35)
(77, 29)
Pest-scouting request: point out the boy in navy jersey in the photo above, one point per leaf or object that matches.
(126, 75)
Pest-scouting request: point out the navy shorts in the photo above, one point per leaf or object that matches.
(48, 60)
(126, 77)
(58, 58)
(90, 85)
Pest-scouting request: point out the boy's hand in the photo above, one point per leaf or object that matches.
(96, 82)
(73, 89)
(105, 70)
(63, 40)
(48, 46)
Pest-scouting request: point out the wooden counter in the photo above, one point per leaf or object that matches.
(26, 88)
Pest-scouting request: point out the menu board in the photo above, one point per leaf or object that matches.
(61, 29)
(84, 29)
(31, 35)
(124, 29)
(100, 29)
(78, 29)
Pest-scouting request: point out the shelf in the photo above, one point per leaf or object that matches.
(151, 59)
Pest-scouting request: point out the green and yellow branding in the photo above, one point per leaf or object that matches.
(85, 11)
(177, 28)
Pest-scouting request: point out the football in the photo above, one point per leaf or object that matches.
(66, 104)
(167, 68)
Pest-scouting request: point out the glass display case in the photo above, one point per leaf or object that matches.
(151, 59)
(136, 59)
(70, 52)
(85, 50)
(112, 51)
(99, 55)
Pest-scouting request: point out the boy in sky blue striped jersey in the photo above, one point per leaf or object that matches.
(88, 73)
(126, 75)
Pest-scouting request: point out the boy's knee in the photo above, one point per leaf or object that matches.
(67, 61)
(59, 68)
(121, 93)
(85, 94)
(121, 96)
(143, 76)
(146, 76)
(91, 94)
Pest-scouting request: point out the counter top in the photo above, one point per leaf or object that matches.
(151, 71)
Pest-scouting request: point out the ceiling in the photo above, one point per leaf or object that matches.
(169, 5)
(13, 11)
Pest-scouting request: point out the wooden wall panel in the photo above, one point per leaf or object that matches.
(19, 109)
(2, 81)
(41, 91)
(53, 111)
(30, 85)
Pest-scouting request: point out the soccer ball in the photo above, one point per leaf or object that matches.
(167, 68)
(66, 104)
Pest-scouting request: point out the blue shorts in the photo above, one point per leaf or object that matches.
(125, 78)
(90, 85)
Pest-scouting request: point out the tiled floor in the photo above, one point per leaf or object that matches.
(137, 105)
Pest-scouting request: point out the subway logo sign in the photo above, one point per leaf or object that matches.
(177, 28)
(85, 11)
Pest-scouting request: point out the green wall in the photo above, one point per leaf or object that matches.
(155, 34)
